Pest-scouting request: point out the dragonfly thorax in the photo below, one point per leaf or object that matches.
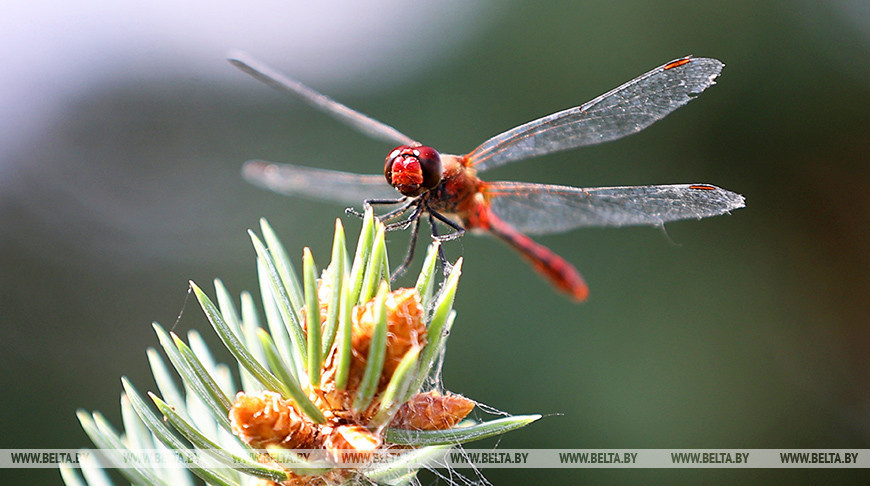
(413, 170)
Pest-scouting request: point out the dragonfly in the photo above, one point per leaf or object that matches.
(443, 188)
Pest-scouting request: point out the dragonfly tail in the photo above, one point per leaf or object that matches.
(563, 275)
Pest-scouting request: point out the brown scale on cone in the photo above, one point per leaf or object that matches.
(405, 329)
(432, 411)
(265, 419)
(343, 439)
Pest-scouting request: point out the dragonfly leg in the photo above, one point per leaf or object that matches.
(380, 202)
(446, 266)
(383, 202)
(403, 224)
(412, 244)
(458, 230)
(353, 212)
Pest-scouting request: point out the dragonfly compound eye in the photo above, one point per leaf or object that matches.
(413, 170)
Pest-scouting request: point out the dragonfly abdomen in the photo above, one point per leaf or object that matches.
(559, 271)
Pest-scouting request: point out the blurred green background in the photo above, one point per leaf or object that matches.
(124, 130)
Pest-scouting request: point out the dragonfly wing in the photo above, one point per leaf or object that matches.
(627, 109)
(542, 208)
(342, 113)
(318, 184)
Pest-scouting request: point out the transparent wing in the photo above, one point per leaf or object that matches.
(318, 184)
(348, 116)
(627, 109)
(542, 208)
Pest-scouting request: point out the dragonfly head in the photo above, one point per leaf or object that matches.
(413, 170)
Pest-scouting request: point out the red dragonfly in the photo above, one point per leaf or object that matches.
(445, 188)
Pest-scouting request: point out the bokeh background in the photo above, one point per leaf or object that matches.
(123, 130)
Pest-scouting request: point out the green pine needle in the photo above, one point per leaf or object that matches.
(312, 317)
(374, 275)
(283, 264)
(281, 292)
(275, 362)
(426, 280)
(283, 341)
(394, 395)
(459, 435)
(343, 350)
(377, 353)
(335, 278)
